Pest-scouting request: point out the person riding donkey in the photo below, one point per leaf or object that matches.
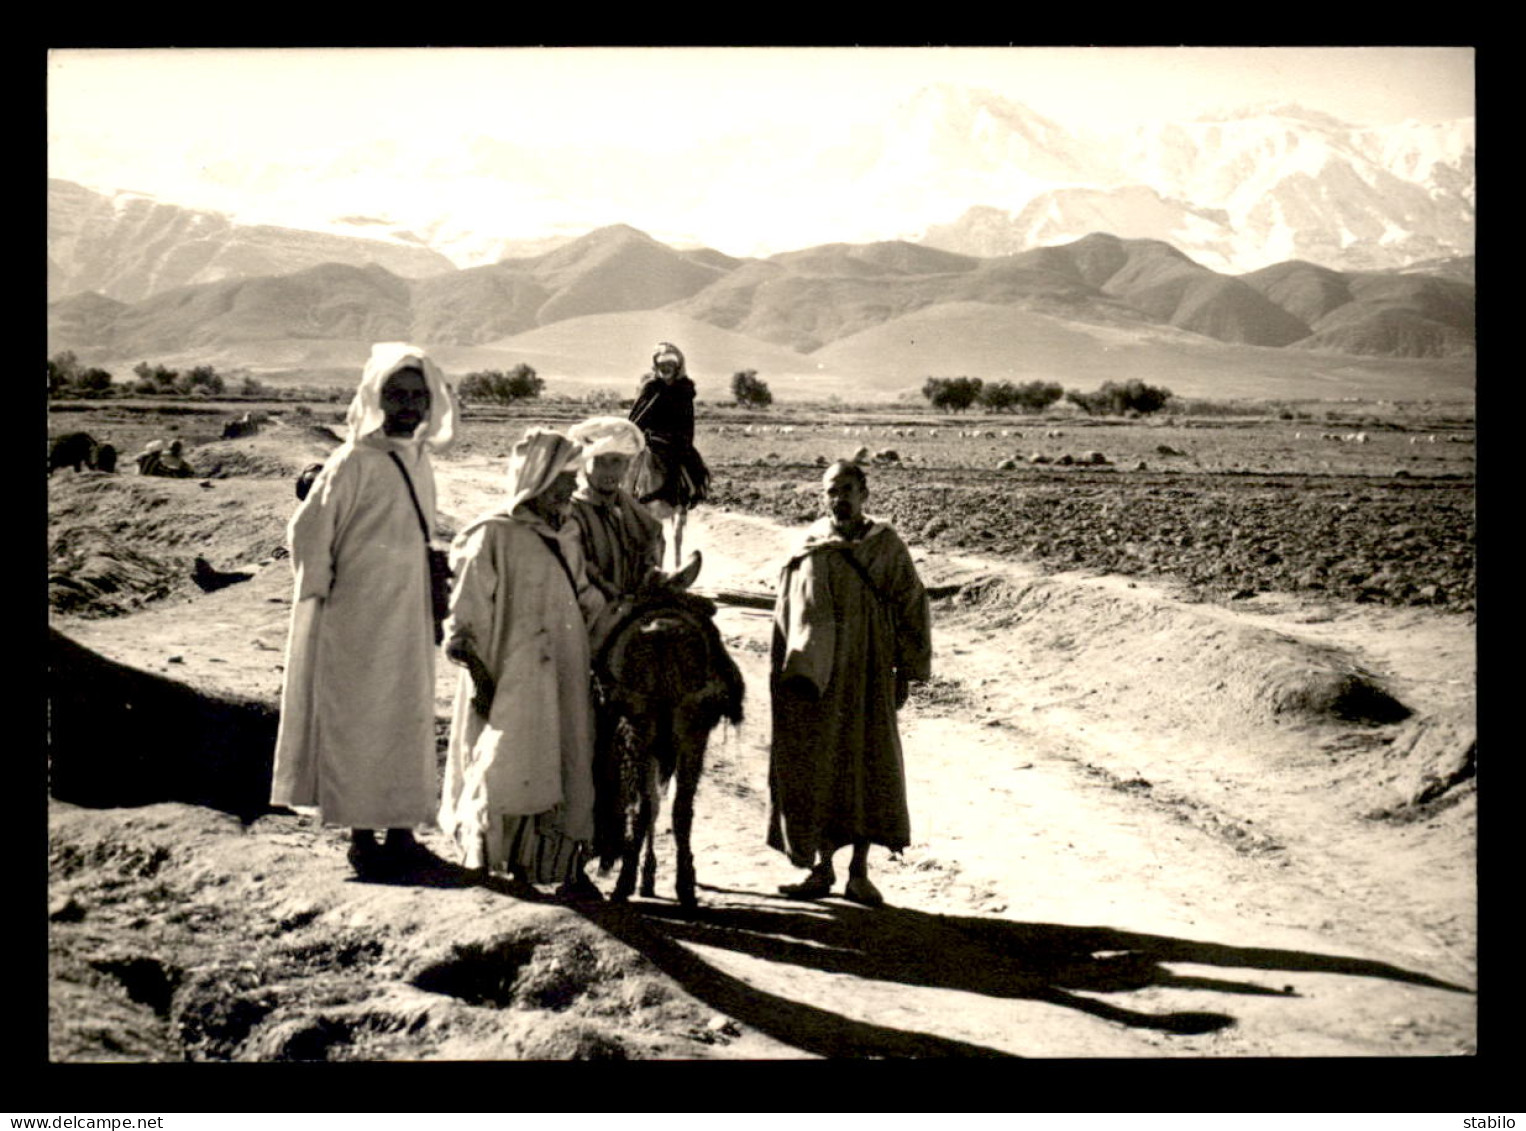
(669, 476)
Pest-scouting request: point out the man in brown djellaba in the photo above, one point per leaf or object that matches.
(852, 631)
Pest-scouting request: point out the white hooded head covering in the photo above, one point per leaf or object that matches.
(537, 460)
(599, 435)
(667, 351)
(365, 415)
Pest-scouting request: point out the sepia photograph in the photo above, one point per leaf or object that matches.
(761, 554)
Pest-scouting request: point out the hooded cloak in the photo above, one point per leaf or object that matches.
(356, 736)
(519, 784)
(365, 412)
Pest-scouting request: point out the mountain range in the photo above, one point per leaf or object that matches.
(836, 313)
(954, 168)
(1235, 190)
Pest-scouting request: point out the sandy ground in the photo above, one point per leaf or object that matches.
(1136, 833)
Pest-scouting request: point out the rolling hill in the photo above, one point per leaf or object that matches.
(590, 311)
(1000, 343)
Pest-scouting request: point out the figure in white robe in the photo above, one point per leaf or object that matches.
(356, 735)
(519, 793)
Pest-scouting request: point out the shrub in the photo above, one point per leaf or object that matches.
(495, 386)
(749, 390)
(1113, 399)
(956, 394)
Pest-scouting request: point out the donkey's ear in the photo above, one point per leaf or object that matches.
(685, 577)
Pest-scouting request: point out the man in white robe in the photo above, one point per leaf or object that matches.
(356, 735)
(519, 790)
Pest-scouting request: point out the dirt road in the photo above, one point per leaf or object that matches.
(1141, 827)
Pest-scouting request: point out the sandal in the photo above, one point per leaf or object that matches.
(860, 890)
(580, 890)
(818, 885)
(366, 859)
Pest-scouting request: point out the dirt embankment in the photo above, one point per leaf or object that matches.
(1144, 825)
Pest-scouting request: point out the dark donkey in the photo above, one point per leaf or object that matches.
(665, 681)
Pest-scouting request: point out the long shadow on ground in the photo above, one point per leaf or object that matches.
(118, 736)
(1043, 962)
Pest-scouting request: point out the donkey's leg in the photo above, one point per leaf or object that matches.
(651, 808)
(680, 520)
(691, 763)
(628, 749)
(630, 851)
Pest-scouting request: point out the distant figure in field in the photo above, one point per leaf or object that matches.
(357, 708)
(852, 630)
(167, 462)
(106, 458)
(669, 476)
(148, 459)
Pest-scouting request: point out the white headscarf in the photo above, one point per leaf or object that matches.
(599, 435)
(538, 459)
(667, 350)
(365, 415)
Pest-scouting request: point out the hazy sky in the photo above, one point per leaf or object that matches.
(190, 124)
(271, 94)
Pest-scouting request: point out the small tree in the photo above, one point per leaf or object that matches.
(495, 386)
(749, 390)
(1113, 399)
(999, 396)
(63, 368)
(163, 379)
(524, 384)
(1036, 396)
(93, 381)
(202, 379)
(955, 394)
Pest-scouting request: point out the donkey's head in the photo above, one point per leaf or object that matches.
(668, 653)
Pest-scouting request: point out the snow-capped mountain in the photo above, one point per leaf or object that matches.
(957, 169)
(1242, 189)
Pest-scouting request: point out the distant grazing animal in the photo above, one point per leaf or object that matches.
(664, 681)
(861, 455)
(73, 449)
(209, 580)
(106, 458)
(889, 455)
